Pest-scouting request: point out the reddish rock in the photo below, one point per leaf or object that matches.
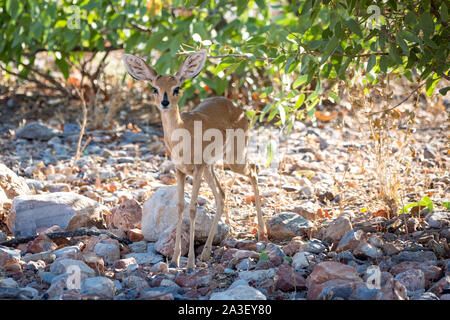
(437, 287)
(94, 261)
(135, 235)
(341, 288)
(10, 259)
(287, 279)
(432, 273)
(166, 243)
(40, 244)
(337, 229)
(293, 246)
(127, 215)
(247, 245)
(412, 279)
(123, 263)
(329, 270)
(201, 278)
(286, 225)
(351, 240)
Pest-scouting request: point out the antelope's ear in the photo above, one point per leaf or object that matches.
(138, 69)
(192, 66)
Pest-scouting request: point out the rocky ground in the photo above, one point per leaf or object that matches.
(333, 234)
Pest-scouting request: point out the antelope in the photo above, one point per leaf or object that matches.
(215, 113)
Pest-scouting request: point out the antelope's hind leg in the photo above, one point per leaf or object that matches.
(219, 195)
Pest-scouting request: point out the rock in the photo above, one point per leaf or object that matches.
(135, 235)
(138, 247)
(391, 248)
(438, 219)
(366, 250)
(99, 286)
(94, 261)
(5, 203)
(329, 270)
(71, 266)
(9, 259)
(307, 209)
(124, 264)
(333, 289)
(286, 225)
(68, 210)
(350, 240)
(12, 184)
(160, 213)
(166, 242)
(46, 256)
(71, 128)
(58, 187)
(313, 246)
(366, 293)
(420, 256)
(241, 292)
(145, 258)
(432, 272)
(62, 284)
(337, 229)
(293, 246)
(437, 288)
(132, 136)
(257, 275)
(376, 241)
(66, 251)
(445, 297)
(302, 260)
(36, 130)
(425, 296)
(287, 279)
(110, 252)
(9, 283)
(412, 279)
(127, 215)
(160, 267)
(201, 278)
(41, 243)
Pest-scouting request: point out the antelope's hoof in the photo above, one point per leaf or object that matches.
(173, 265)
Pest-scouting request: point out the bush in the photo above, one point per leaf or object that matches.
(281, 49)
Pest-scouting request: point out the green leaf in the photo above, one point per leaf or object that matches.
(444, 12)
(402, 43)
(300, 80)
(444, 91)
(446, 205)
(354, 27)
(371, 62)
(63, 67)
(426, 24)
(300, 100)
(426, 202)
(430, 85)
(282, 113)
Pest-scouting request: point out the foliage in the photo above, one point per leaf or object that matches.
(281, 50)
(425, 202)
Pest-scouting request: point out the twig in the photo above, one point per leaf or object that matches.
(66, 234)
(83, 127)
(401, 102)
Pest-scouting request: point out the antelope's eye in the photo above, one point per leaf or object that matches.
(155, 91)
(176, 91)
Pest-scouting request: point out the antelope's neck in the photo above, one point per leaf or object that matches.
(170, 120)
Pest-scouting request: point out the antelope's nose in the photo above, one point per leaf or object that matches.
(165, 103)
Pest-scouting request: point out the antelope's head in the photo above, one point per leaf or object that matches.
(166, 88)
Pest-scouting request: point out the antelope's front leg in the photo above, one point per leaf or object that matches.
(197, 179)
(181, 178)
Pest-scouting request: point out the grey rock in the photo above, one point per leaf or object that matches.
(160, 213)
(132, 136)
(138, 247)
(72, 267)
(110, 252)
(287, 225)
(420, 256)
(145, 257)
(9, 283)
(68, 210)
(71, 128)
(36, 130)
(46, 256)
(424, 296)
(99, 286)
(240, 292)
(257, 275)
